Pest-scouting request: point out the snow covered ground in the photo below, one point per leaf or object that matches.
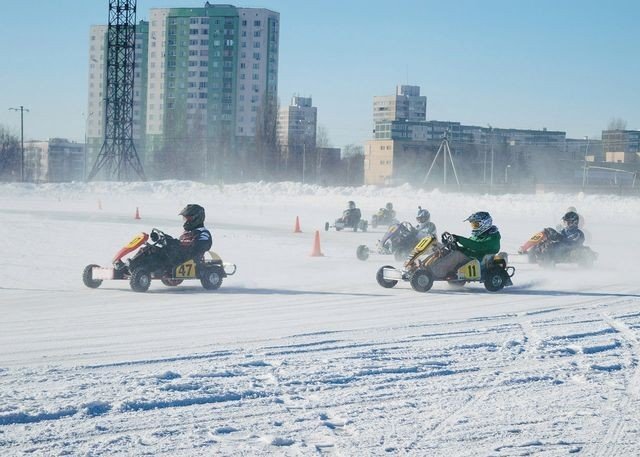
(299, 355)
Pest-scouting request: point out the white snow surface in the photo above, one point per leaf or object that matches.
(298, 355)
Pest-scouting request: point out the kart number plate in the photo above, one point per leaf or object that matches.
(101, 273)
(186, 270)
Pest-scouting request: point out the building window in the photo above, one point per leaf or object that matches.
(256, 23)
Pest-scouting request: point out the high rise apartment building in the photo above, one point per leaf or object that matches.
(406, 105)
(297, 124)
(203, 76)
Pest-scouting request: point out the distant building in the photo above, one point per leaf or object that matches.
(406, 105)
(621, 146)
(56, 160)
(297, 124)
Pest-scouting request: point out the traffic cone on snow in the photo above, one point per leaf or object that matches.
(297, 227)
(137, 214)
(316, 246)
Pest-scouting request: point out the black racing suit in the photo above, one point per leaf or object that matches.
(193, 244)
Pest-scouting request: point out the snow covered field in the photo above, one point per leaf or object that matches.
(299, 355)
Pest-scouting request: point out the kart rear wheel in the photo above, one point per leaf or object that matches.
(386, 283)
(496, 280)
(171, 282)
(87, 277)
(140, 280)
(421, 281)
(362, 252)
(211, 279)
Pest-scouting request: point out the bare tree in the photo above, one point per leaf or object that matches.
(352, 150)
(322, 137)
(617, 123)
(9, 155)
(267, 147)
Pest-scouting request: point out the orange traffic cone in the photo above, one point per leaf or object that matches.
(137, 214)
(316, 246)
(99, 204)
(297, 227)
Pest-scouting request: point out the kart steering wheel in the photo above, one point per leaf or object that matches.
(449, 240)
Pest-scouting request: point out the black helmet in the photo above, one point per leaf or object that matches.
(389, 206)
(571, 218)
(423, 215)
(351, 204)
(193, 216)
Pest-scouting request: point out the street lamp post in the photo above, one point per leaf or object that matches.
(584, 171)
(22, 109)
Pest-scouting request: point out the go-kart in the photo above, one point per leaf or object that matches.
(383, 217)
(398, 241)
(545, 249)
(155, 259)
(352, 221)
(493, 271)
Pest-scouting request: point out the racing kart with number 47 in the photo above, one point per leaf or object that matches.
(155, 259)
(493, 271)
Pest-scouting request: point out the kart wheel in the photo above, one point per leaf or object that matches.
(495, 280)
(386, 283)
(421, 281)
(362, 252)
(140, 280)
(211, 279)
(171, 282)
(87, 277)
(326, 226)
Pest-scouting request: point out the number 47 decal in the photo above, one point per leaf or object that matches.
(185, 269)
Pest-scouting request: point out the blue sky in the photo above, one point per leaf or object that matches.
(565, 65)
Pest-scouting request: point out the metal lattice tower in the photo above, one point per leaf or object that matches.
(118, 159)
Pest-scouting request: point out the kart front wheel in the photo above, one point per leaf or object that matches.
(211, 279)
(87, 277)
(362, 252)
(326, 226)
(386, 283)
(421, 281)
(140, 280)
(495, 280)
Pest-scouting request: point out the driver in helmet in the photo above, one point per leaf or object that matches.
(388, 212)
(351, 216)
(425, 227)
(484, 239)
(196, 239)
(569, 237)
(571, 209)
